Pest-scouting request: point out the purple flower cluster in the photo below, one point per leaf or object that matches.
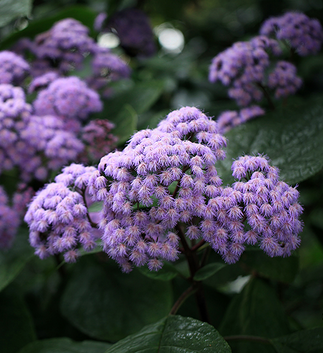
(268, 205)
(42, 82)
(133, 29)
(58, 217)
(9, 221)
(283, 79)
(69, 98)
(63, 47)
(302, 33)
(22, 198)
(48, 136)
(159, 180)
(13, 68)
(98, 139)
(162, 188)
(230, 119)
(107, 67)
(243, 67)
(33, 144)
(14, 115)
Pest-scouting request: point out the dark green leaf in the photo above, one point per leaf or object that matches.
(95, 207)
(65, 345)
(168, 272)
(174, 334)
(80, 13)
(291, 137)
(306, 341)
(208, 271)
(225, 275)
(276, 268)
(14, 259)
(11, 9)
(16, 325)
(106, 304)
(255, 311)
(125, 123)
(140, 97)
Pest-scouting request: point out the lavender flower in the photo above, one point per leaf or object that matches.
(9, 221)
(57, 216)
(22, 198)
(69, 98)
(52, 142)
(302, 33)
(34, 144)
(270, 206)
(243, 67)
(42, 82)
(107, 67)
(283, 79)
(160, 179)
(14, 115)
(230, 119)
(98, 139)
(134, 31)
(99, 21)
(13, 69)
(63, 47)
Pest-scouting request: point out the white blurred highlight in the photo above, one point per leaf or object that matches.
(108, 40)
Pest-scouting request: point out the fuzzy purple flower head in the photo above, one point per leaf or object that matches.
(13, 68)
(42, 82)
(283, 80)
(14, 116)
(230, 119)
(107, 67)
(302, 33)
(57, 216)
(33, 144)
(9, 221)
(243, 67)
(159, 180)
(53, 143)
(134, 31)
(271, 209)
(69, 98)
(63, 47)
(98, 140)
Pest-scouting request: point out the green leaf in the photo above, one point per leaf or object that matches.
(276, 268)
(306, 341)
(125, 123)
(11, 9)
(140, 97)
(255, 311)
(168, 272)
(208, 270)
(95, 207)
(13, 260)
(107, 304)
(292, 137)
(174, 334)
(81, 13)
(16, 325)
(65, 345)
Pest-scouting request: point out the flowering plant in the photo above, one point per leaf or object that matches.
(140, 210)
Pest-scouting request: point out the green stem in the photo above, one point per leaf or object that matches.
(266, 94)
(194, 266)
(182, 298)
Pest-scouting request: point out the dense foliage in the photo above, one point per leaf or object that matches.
(160, 176)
